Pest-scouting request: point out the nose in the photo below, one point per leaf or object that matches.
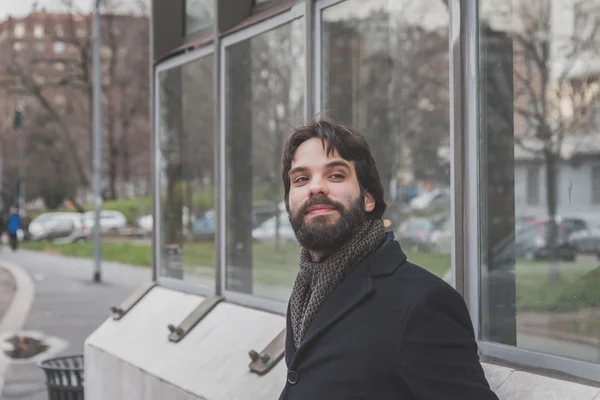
(318, 186)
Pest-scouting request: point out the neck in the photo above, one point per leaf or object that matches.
(319, 255)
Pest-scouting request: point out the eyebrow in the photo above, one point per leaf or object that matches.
(332, 164)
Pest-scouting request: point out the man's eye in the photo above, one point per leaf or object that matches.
(337, 176)
(300, 179)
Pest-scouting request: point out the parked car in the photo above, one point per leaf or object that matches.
(531, 242)
(109, 220)
(267, 231)
(436, 199)
(60, 227)
(587, 241)
(441, 238)
(414, 234)
(203, 229)
(145, 222)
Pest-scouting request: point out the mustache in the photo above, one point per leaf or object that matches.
(314, 201)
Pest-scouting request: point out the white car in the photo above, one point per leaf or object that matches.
(109, 220)
(63, 227)
(267, 231)
(432, 199)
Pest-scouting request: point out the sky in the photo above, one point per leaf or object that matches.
(23, 7)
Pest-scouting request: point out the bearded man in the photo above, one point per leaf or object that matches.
(363, 322)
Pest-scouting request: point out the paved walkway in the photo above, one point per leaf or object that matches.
(67, 306)
(7, 289)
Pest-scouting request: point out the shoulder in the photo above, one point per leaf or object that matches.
(411, 288)
(390, 267)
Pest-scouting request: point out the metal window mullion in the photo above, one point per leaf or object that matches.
(457, 154)
(309, 54)
(217, 159)
(469, 35)
(222, 128)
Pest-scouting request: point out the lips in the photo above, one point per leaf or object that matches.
(318, 210)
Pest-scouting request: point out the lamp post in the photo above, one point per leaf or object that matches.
(18, 124)
(97, 147)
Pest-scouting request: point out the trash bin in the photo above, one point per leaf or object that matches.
(64, 377)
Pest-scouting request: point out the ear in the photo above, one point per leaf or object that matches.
(369, 202)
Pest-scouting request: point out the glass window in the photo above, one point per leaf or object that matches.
(533, 185)
(58, 47)
(264, 99)
(596, 185)
(187, 180)
(198, 14)
(384, 72)
(19, 30)
(38, 30)
(540, 287)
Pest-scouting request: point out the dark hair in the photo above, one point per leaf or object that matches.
(350, 145)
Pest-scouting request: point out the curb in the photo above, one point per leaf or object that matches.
(18, 309)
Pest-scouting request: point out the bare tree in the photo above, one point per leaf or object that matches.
(277, 68)
(55, 72)
(553, 92)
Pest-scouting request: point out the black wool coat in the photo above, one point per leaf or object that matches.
(390, 331)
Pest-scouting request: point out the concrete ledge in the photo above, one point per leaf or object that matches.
(133, 358)
(122, 358)
(510, 384)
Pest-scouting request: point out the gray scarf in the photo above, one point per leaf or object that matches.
(316, 280)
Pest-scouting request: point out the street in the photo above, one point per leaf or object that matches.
(67, 307)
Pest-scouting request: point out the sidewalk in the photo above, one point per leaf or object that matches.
(7, 290)
(67, 308)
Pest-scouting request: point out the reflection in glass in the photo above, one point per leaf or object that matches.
(540, 152)
(198, 14)
(385, 73)
(187, 181)
(264, 100)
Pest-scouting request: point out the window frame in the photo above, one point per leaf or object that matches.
(171, 283)
(474, 267)
(295, 12)
(595, 180)
(320, 6)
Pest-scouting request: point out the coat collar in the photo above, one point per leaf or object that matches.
(357, 286)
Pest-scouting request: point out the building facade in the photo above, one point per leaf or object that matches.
(467, 97)
(46, 67)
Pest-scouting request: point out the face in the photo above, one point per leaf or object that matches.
(326, 204)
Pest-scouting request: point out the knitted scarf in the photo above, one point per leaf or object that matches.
(317, 280)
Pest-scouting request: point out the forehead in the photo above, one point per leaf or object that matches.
(313, 152)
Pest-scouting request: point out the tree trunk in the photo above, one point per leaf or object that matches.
(551, 200)
(112, 171)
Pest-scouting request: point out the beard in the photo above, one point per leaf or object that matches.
(328, 232)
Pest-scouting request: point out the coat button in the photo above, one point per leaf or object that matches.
(292, 377)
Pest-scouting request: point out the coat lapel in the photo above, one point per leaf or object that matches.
(290, 346)
(349, 293)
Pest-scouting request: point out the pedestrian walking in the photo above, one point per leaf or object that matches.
(2, 228)
(13, 225)
(363, 322)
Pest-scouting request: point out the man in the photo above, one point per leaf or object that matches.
(13, 225)
(363, 322)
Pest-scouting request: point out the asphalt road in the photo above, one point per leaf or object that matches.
(66, 309)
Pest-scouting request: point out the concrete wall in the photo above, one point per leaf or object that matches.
(133, 359)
